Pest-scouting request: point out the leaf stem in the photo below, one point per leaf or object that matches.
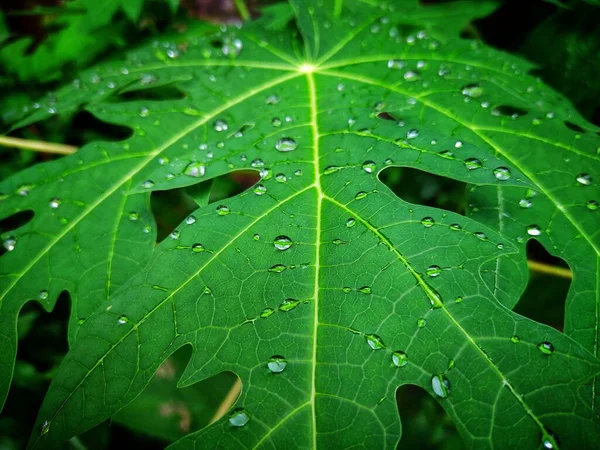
(242, 9)
(548, 269)
(37, 146)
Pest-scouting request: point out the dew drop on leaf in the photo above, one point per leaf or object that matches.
(267, 312)
(360, 195)
(455, 227)
(427, 222)
(533, 230)
(350, 222)
(525, 203)
(399, 358)
(584, 178)
(374, 341)
(546, 348)
(222, 210)
(195, 169)
(433, 271)
(502, 173)
(239, 417)
(472, 90)
(277, 268)
(515, 339)
(55, 202)
(440, 385)
(260, 189)
(592, 205)
(190, 220)
(286, 145)
(220, 125)
(198, 248)
(365, 290)
(276, 122)
(43, 295)
(10, 243)
(148, 184)
(277, 364)
(472, 163)
(369, 166)
(282, 243)
(288, 304)
(412, 134)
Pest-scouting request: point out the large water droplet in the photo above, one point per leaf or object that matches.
(412, 134)
(472, 90)
(222, 210)
(369, 166)
(239, 417)
(360, 195)
(350, 222)
(260, 189)
(55, 202)
(525, 203)
(365, 290)
(374, 341)
(502, 173)
(286, 145)
(533, 230)
(427, 222)
(592, 205)
(148, 184)
(10, 243)
(220, 125)
(472, 163)
(277, 364)
(399, 358)
(546, 348)
(232, 47)
(267, 312)
(288, 304)
(195, 169)
(515, 339)
(433, 271)
(440, 385)
(584, 178)
(282, 242)
(198, 248)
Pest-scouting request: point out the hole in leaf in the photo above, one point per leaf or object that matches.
(87, 128)
(164, 92)
(573, 126)
(171, 207)
(509, 111)
(425, 424)
(424, 188)
(546, 292)
(167, 412)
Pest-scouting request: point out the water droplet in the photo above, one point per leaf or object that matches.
(282, 243)
(433, 271)
(331, 169)
(288, 304)
(10, 243)
(515, 339)
(190, 220)
(427, 222)
(146, 229)
(533, 230)
(195, 169)
(550, 441)
(280, 178)
(55, 202)
(43, 295)
(472, 90)
(440, 385)
(148, 184)
(45, 428)
(220, 125)
(260, 189)
(346, 289)
(411, 75)
(350, 222)
(123, 319)
(360, 195)
(277, 268)
(592, 205)
(458, 299)
(276, 122)
(198, 248)
(546, 348)
(481, 235)
(256, 237)
(365, 290)
(399, 358)
(222, 210)
(525, 203)
(286, 145)
(455, 227)
(277, 364)
(369, 166)
(144, 112)
(395, 64)
(447, 154)
(267, 312)
(412, 134)
(584, 178)
(374, 341)
(239, 417)
(421, 322)
(148, 79)
(472, 163)
(175, 234)
(272, 100)
(502, 173)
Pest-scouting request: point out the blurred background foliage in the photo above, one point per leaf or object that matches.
(44, 43)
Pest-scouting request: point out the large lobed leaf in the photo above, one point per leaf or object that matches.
(319, 270)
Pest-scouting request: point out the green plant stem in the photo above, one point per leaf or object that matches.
(242, 9)
(549, 270)
(37, 146)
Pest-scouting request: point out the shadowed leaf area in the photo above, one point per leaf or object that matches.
(323, 289)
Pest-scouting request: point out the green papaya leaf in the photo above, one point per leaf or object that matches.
(318, 287)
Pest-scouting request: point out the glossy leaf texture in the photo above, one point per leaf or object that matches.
(319, 287)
